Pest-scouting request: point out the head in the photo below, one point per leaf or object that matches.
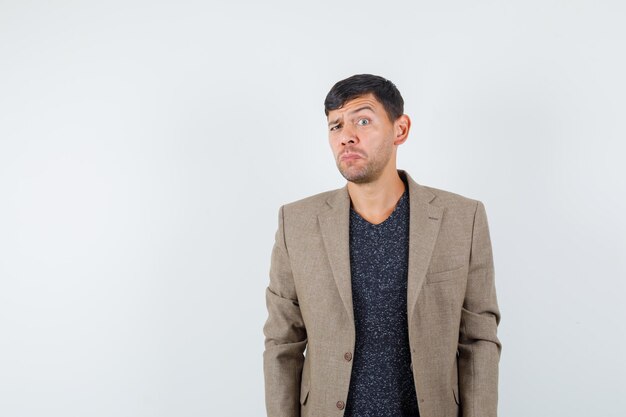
(366, 123)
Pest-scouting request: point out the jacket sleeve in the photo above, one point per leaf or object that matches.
(479, 348)
(285, 334)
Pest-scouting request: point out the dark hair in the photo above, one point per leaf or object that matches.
(361, 84)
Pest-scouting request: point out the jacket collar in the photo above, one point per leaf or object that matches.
(424, 223)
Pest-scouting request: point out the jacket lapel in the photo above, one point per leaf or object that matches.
(425, 220)
(335, 227)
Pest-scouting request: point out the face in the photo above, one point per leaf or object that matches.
(362, 139)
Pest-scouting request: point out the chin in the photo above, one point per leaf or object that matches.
(361, 176)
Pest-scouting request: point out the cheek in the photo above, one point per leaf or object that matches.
(334, 144)
(384, 148)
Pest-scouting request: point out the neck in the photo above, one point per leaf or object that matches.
(374, 201)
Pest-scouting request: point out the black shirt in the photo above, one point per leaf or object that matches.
(382, 381)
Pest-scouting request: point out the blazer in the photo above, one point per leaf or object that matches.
(451, 305)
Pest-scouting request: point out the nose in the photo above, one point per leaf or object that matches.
(348, 135)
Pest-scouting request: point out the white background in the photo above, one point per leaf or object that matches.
(146, 146)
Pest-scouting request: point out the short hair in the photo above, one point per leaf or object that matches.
(362, 84)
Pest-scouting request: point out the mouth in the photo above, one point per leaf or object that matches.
(348, 156)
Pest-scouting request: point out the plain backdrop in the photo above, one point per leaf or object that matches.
(146, 146)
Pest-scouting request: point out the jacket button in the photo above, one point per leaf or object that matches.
(340, 405)
(348, 356)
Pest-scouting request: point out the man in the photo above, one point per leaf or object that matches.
(387, 284)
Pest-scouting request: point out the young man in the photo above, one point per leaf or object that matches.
(387, 284)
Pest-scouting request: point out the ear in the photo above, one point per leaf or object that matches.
(401, 129)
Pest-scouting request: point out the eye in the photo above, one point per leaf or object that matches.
(333, 128)
(363, 122)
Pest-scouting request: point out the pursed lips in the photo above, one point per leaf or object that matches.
(349, 155)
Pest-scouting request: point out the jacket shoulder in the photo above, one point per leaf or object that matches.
(309, 205)
(449, 199)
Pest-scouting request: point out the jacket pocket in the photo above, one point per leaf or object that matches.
(445, 275)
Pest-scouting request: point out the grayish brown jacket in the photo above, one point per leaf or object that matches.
(451, 304)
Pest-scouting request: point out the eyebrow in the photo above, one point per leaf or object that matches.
(352, 112)
(362, 108)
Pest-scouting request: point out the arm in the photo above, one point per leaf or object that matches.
(285, 335)
(479, 347)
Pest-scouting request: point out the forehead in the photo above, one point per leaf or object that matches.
(367, 100)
